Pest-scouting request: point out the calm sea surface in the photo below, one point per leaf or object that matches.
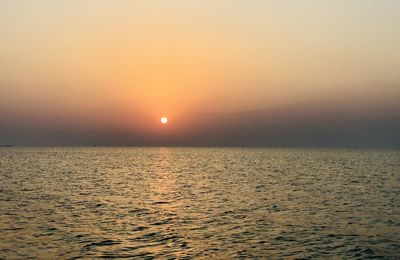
(198, 203)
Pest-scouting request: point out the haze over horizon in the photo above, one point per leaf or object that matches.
(224, 73)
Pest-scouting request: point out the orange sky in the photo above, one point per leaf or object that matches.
(124, 64)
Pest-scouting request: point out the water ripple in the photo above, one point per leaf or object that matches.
(183, 203)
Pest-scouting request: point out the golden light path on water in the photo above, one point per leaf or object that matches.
(210, 203)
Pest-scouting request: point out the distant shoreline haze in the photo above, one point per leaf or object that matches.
(288, 128)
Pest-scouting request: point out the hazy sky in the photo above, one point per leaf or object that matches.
(268, 73)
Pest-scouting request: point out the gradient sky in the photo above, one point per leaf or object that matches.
(231, 73)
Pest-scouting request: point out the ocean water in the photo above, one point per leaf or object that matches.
(204, 203)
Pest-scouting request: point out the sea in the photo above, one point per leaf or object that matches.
(199, 203)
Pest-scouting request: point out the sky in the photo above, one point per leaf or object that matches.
(225, 73)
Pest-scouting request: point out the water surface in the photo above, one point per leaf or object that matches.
(206, 203)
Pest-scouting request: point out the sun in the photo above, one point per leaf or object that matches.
(164, 120)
